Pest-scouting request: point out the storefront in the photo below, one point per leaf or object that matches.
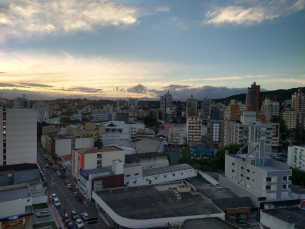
(17, 219)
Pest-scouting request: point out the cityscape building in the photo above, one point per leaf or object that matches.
(270, 108)
(298, 100)
(193, 127)
(253, 97)
(165, 102)
(191, 107)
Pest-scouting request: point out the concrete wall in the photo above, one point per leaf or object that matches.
(39, 199)
(208, 178)
(90, 161)
(14, 207)
(130, 172)
(154, 162)
(108, 157)
(274, 223)
(26, 175)
(6, 178)
(81, 143)
(63, 147)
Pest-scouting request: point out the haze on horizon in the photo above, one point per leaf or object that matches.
(142, 49)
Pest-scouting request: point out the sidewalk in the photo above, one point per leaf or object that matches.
(57, 218)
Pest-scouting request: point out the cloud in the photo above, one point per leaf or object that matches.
(163, 9)
(36, 85)
(231, 78)
(7, 85)
(303, 75)
(83, 89)
(174, 87)
(139, 89)
(24, 18)
(252, 12)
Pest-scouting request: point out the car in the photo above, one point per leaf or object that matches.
(76, 196)
(58, 173)
(68, 185)
(57, 202)
(79, 223)
(85, 216)
(47, 166)
(42, 214)
(66, 218)
(70, 226)
(54, 167)
(74, 215)
(50, 163)
(53, 196)
(66, 182)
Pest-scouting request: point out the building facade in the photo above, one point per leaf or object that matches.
(191, 107)
(298, 100)
(296, 157)
(193, 126)
(42, 110)
(165, 102)
(270, 108)
(215, 130)
(253, 97)
(291, 118)
(176, 135)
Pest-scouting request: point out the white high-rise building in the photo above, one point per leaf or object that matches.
(42, 110)
(296, 156)
(18, 140)
(270, 109)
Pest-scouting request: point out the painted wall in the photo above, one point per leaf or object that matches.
(63, 147)
(81, 143)
(108, 157)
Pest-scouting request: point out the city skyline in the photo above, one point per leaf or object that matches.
(142, 49)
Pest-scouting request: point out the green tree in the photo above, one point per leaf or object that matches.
(182, 120)
(185, 154)
(298, 176)
(65, 120)
(168, 157)
(54, 157)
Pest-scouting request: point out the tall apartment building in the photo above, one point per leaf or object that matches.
(120, 103)
(165, 102)
(291, 118)
(176, 135)
(253, 97)
(191, 107)
(18, 140)
(256, 175)
(302, 118)
(270, 108)
(233, 108)
(205, 108)
(298, 100)
(273, 98)
(122, 115)
(42, 110)
(22, 102)
(215, 130)
(193, 126)
(296, 157)
(238, 130)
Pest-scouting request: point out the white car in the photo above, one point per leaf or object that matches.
(47, 166)
(54, 197)
(79, 223)
(69, 185)
(57, 202)
(85, 216)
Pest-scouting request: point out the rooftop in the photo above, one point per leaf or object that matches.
(14, 194)
(65, 136)
(153, 202)
(291, 215)
(18, 167)
(297, 189)
(166, 169)
(97, 150)
(237, 202)
(147, 145)
(99, 170)
(216, 192)
(163, 133)
(132, 158)
(67, 157)
(214, 222)
(122, 144)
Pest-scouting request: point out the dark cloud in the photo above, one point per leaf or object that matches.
(139, 89)
(35, 85)
(83, 89)
(174, 87)
(8, 85)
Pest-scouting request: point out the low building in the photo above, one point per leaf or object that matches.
(152, 206)
(296, 156)
(63, 144)
(162, 134)
(99, 117)
(176, 135)
(147, 133)
(146, 145)
(147, 160)
(92, 158)
(284, 218)
(125, 145)
(134, 128)
(213, 222)
(66, 160)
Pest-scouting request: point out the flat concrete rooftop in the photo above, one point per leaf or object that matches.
(14, 194)
(152, 202)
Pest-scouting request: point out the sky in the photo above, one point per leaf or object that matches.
(142, 48)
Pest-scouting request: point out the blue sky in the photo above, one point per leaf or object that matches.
(112, 49)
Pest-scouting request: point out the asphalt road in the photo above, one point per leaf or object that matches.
(175, 156)
(64, 193)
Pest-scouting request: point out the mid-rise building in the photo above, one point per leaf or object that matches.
(120, 103)
(275, 133)
(62, 144)
(99, 117)
(108, 108)
(205, 108)
(146, 133)
(42, 110)
(215, 130)
(90, 129)
(298, 100)
(22, 102)
(165, 102)
(18, 135)
(134, 128)
(270, 108)
(253, 97)
(256, 175)
(193, 126)
(296, 157)
(234, 108)
(191, 107)
(122, 116)
(176, 136)
(302, 119)
(134, 103)
(291, 118)
(116, 130)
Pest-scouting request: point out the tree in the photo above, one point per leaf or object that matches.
(54, 157)
(298, 176)
(185, 154)
(168, 157)
(182, 120)
(65, 120)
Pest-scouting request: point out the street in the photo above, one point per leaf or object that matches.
(65, 195)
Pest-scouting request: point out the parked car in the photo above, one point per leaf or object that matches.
(42, 214)
(79, 223)
(54, 196)
(85, 216)
(66, 219)
(74, 215)
(57, 202)
(70, 226)
(58, 173)
(47, 166)
(66, 182)
(76, 196)
(50, 163)
(54, 167)
(68, 185)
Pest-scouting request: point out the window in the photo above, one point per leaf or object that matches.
(248, 178)
(252, 162)
(242, 175)
(233, 163)
(242, 167)
(135, 181)
(233, 170)
(174, 174)
(284, 186)
(136, 174)
(248, 170)
(268, 187)
(268, 179)
(128, 175)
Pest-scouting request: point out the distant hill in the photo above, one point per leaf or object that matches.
(282, 95)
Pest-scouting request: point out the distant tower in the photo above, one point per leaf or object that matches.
(165, 103)
(253, 97)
